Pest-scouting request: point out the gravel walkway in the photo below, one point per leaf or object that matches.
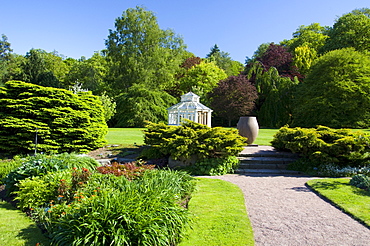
(283, 211)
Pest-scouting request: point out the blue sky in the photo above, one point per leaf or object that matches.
(77, 28)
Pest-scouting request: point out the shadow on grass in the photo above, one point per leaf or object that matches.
(328, 185)
(332, 185)
(31, 234)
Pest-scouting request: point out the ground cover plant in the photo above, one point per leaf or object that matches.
(220, 215)
(350, 199)
(41, 164)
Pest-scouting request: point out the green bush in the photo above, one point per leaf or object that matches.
(361, 181)
(214, 166)
(193, 139)
(323, 145)
(111, 210)
(6, 166)
(41, 164)
(34, 192)
(63, 121)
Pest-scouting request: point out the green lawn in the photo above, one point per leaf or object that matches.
(350, 199)
(220, 218)
(16, 229)
(135, 135)
(125, 136)
(220, 215)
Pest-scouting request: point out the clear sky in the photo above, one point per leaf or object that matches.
(77, 28)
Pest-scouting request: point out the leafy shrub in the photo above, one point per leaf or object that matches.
(214, 166)
(34, 192)
(41, 164)
(361, 181)
(64, 122)
(193, 139)
(54, 187)
(111, 210)
(6, 166)
(323, 145)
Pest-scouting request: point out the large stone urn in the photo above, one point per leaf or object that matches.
(248, 127)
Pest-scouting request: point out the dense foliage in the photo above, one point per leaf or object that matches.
(233, 97)
(41, 164)
(143, 63)
(361, 181)
(324, 148)
(336, 92)
(63, 121)
(76, 204)
(196, 141)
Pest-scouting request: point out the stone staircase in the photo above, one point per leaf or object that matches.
(265, 160)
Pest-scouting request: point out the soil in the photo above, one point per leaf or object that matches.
(284, 211)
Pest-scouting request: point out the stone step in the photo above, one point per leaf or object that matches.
(267, 160)
(269, 153)
(266, 172)
(262, 166)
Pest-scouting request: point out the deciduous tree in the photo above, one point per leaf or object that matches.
(141, 52)
(336, 92)
(350, 30)
(233, 97)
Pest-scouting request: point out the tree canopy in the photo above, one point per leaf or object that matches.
(233, 97)
(350, 30)
(141, 52)
(336, 92)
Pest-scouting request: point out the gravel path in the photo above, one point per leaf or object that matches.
(283, 211)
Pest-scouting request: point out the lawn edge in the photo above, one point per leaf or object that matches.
(328, 200)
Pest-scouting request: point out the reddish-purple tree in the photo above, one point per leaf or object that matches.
(279, 57)
(233, 97)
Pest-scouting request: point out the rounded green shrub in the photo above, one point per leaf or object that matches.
(361, 181)
(60, 120)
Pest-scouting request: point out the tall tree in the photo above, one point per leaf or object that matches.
(202, 78)
(5, 55)
(233, 97)
(90, 73)
(43, 68)
(350, 30)
(224, 61)
(312, 36)
(141, 52)
(5, 49)
(336, 92)
(279, 57)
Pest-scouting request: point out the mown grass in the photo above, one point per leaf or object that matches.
(220, 215)
(125, 136)
(16, 229)
(350, 199)
(136, 136)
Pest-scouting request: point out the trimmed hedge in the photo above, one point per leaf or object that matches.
(211, 148)
(65, 122)
(323, 145)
